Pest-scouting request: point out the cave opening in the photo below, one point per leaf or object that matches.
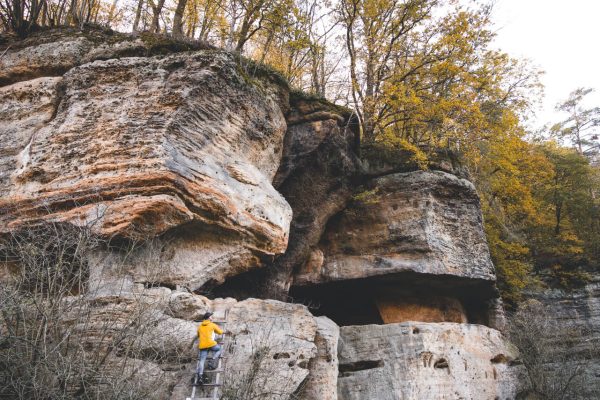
(400, 297)
(405, 296)
(240, 287)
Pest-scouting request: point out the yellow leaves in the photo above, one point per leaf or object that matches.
(512, 261)
(417, 156)
(367, 197)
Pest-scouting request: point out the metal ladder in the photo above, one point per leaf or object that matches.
(218, 383)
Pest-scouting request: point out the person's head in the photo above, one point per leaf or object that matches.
(207, 315)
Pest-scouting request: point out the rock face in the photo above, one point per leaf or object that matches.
(271, 347)
(136, 147)
(424, 361)
(316, 176)
(159, 148)
(424, 222)
(190, 166)
(578, 309)
(322, 380)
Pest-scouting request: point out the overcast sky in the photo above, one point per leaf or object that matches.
(562, 37)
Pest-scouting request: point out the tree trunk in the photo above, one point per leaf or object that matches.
(242, 36)
(558, 217)
(156, 10)
(138, 14)
(178, 18)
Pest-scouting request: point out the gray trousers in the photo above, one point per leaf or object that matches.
(203, 354)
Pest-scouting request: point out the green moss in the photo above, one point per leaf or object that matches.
(163, 44)
(367, 197)
(252, 70)
(297, 96)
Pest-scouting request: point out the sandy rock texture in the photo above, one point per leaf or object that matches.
(425, 361)
(54, 52)
(141, 145)
(136, 147)
(427, 222)
(316, 175)
(322, 379)
(272, 349)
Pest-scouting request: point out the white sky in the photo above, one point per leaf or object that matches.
(562, 37)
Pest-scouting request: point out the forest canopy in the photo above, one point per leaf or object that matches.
(420, 75)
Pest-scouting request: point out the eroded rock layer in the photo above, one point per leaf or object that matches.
(425, 361)
(138, 146)
(578, 311)
(425, 222)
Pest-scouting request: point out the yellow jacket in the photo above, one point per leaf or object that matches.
(205, 334)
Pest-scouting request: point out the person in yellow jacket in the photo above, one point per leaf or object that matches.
(206, 343)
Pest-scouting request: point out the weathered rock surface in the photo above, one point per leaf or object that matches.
(271, 347)
(271, 342)
(316, 177)
(400, 308)
(578, 310)
(425, 361)
(136, 147)
(322, 379)
(425, 222)
(54, 52)
(171, 148)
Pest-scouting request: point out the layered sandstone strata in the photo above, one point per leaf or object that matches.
(137, 147)
(577, 312)
(424, 222)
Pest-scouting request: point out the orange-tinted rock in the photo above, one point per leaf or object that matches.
(134, 147)
(424, 309)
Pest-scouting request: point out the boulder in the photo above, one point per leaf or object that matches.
(137, 147)
(427, 222)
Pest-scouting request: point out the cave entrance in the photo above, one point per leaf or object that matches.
(398, 298)
(406, 296)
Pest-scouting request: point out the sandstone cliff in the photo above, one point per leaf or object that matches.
(222, 182)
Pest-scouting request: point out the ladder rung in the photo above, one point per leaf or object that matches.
(211, 384)
(214, 370)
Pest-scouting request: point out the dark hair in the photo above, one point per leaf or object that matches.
(206, 315)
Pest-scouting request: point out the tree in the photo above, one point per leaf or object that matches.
(178, 18)
(157, 7)
(20, 16)
(581, 126)
(375, 30)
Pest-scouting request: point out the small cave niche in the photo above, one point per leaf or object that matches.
(155, 284)
(346, 368)
(240, 287)
(398, 298)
